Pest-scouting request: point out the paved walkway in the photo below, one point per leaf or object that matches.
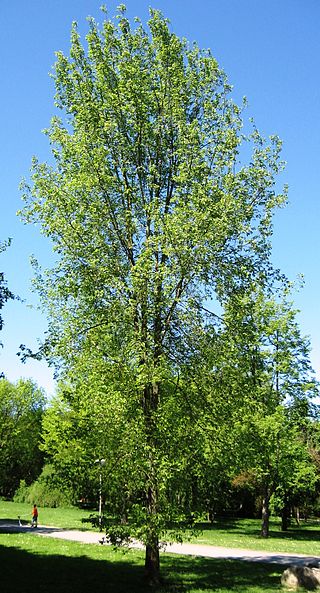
(92, 537)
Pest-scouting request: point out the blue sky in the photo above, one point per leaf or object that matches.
(270, 52)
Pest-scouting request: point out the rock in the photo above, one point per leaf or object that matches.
(301, 576)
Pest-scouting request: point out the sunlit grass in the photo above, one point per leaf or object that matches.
(70, 518)
(233, 533)
(245, 533)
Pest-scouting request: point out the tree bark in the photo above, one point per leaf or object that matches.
(265, 513)
(285, 516)
(152, 556)
(152, 563)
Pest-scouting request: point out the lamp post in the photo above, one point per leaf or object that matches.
(101, 463)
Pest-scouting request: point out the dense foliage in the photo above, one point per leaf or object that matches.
(21, 410)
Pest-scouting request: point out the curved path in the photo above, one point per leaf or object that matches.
(92, 537)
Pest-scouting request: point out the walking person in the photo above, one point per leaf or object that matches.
(34, 513)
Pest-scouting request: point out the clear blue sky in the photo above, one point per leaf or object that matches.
(270, 52)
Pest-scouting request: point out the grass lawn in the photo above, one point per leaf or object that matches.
(43, 565)
(233, 533)
(36, 564)
(245, 533)
(70, 518)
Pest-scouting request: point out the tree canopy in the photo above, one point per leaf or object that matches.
(5, 293)
(21, 409)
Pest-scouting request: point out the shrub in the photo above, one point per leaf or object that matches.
(44, 491)
(22, 493)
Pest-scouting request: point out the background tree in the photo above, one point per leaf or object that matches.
(21, 407)
(278, 462)
(5, 293)
(278, 385)
(151, 214)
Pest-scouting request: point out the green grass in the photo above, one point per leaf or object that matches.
(245, 533)
(233, 533)
(36, 564)
(70, 518)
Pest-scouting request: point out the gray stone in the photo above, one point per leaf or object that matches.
(301, 576)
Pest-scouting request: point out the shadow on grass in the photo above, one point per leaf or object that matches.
(309, 532)
(183, 574)
(221, 524)
(35, 572)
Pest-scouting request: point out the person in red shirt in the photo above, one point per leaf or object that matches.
(34, 513)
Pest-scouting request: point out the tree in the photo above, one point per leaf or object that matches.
(151, 214)
(275, 376)
(278, 462)
(5, 293)
(21, 407)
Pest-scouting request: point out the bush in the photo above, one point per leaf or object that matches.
(44, 491)
(22, 493)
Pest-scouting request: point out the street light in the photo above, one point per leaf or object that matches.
(101, 463)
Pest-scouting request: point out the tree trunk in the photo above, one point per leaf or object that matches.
(211, 516)
(285, 516)
(152, 557)
(152, 563)
(265, 513)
